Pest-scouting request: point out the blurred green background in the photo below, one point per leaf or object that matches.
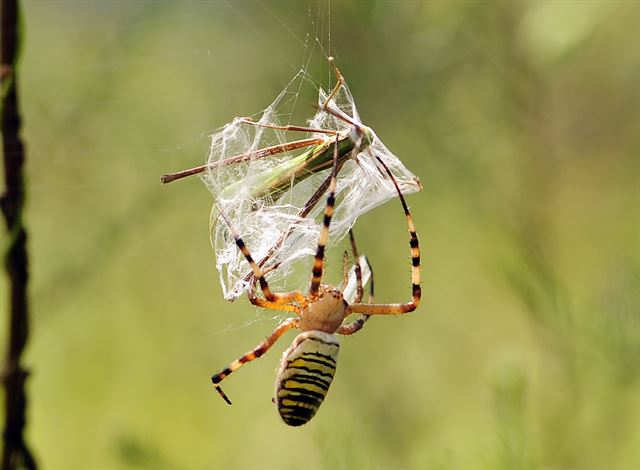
(521, 119)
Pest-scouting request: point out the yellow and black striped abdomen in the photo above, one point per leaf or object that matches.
(305, 374)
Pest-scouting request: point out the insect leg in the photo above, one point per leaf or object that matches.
(255, 353)
(260, 153)
(339, 84)
(288, 127)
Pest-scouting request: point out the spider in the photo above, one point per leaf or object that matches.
(308, 365)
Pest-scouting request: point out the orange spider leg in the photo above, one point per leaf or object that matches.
(255, 353)
(416, 292)
(274, 301)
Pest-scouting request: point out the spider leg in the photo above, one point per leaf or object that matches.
(309, 205)
(271, 300)
(358, 270)
(282, 302)
(371, 289)
(357, 325)
(318, 264)
(255, 353)
(353, 327)
(416, 292)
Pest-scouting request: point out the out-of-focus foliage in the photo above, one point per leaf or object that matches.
(521, 119)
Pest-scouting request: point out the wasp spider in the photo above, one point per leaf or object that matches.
(308, 366)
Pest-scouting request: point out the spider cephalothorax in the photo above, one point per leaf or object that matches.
(326, 312)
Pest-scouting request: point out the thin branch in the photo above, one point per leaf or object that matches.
(16, 454)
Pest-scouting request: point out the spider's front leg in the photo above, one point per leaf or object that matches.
(318, 263)
(309, 205)
(282, 301)
(255, 353)
(272, 301)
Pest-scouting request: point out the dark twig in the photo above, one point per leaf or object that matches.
(16, 454)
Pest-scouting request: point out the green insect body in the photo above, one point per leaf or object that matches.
(278, 180)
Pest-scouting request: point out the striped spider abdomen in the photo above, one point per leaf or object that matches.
(304, 376)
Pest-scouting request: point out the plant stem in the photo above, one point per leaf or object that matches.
(16, 454)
